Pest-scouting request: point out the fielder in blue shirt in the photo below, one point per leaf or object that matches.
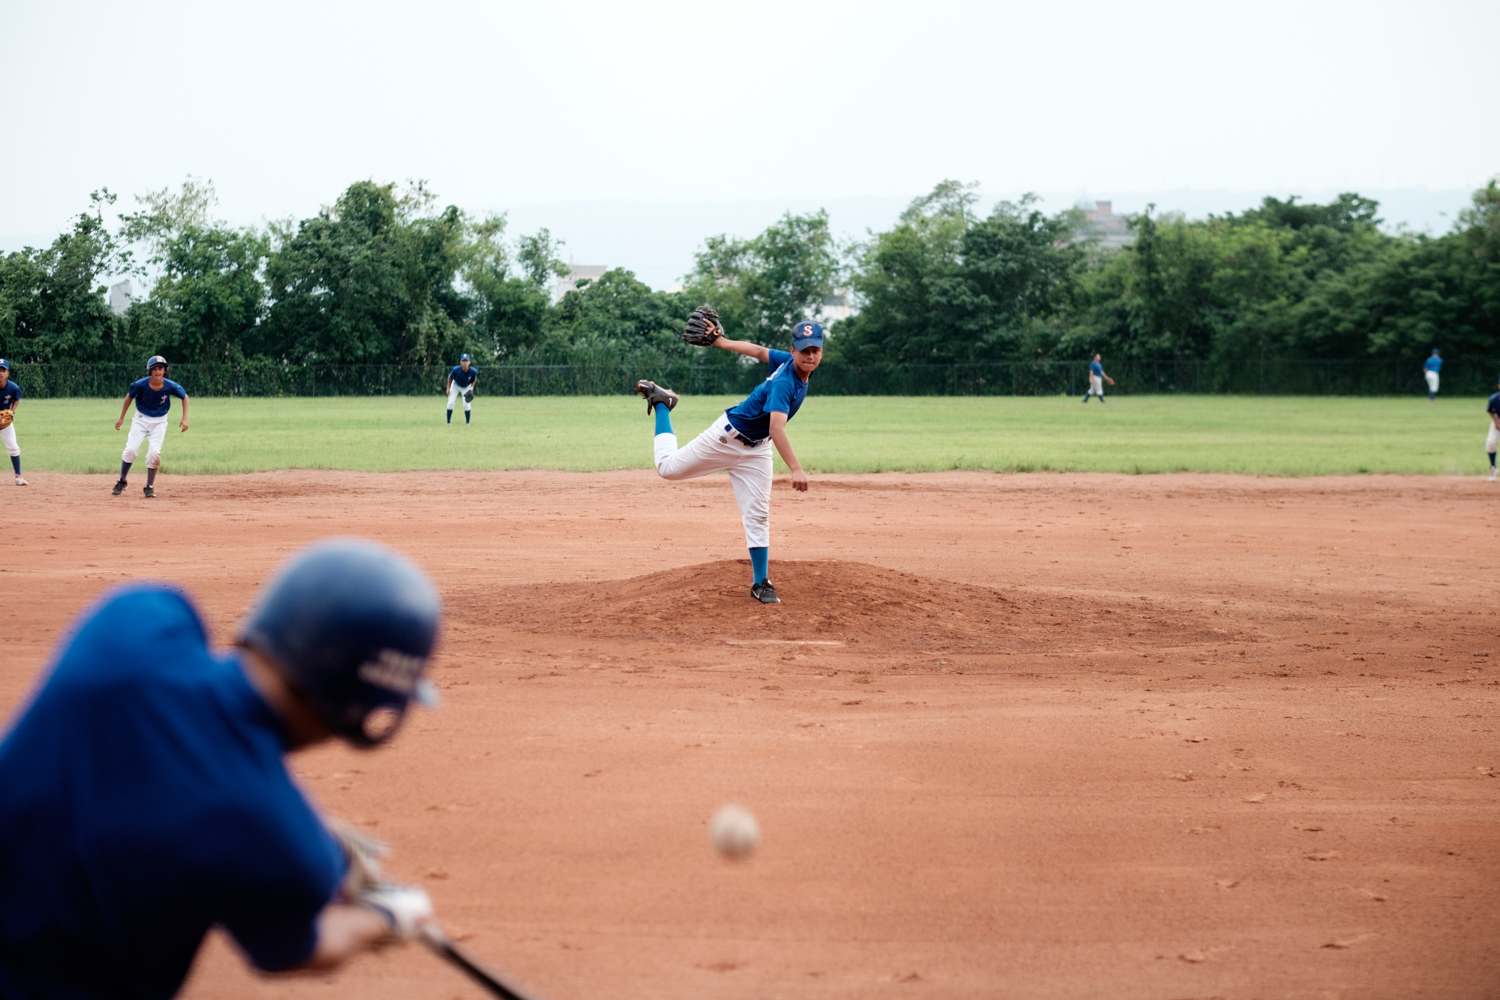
(1097, 378)
(153, 401)
(10, 398)
(737, 442)
(462, 380)
(1492, 439)
(1430, 369)
(144, 797)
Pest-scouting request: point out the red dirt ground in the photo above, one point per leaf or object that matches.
(1032, 736)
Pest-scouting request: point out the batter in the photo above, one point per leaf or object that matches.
(10, 398)
(153, 401)
(739, 441)
(461, 381)
(145, 797)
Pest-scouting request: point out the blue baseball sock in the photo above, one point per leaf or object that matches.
(663, 418)
(15, 463)
(466, 416)
(450, 416)
(1491, 454)
(760, 557)
(124, 470)
(150, 476)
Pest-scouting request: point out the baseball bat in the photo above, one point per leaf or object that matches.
(434, 938)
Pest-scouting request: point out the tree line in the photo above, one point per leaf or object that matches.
(384, 275)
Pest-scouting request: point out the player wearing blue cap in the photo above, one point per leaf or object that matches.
(1097, 378)
(462, 380)
(153, 401)
(144, 795)
(10, 398)
(1492, 439)
(1430, 370)
(737, 441)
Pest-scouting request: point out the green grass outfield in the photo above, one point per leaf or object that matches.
(1279, 436)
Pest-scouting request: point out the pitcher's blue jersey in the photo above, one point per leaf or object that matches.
(783, 392)
(10, 395)
(143, 799)
(155, 402)
(463, 379)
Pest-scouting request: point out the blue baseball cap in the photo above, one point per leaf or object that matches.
(463, 357)
(4, 364)
(807, 334)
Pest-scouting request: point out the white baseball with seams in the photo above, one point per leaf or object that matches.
(718, 450)
(152, 430)
(734, 831)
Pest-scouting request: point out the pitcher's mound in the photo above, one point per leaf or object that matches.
(855, 604)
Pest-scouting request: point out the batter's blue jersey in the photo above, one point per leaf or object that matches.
(463, 379)
(783, 392)
(143, 799)
(155, 402)
(10, 395)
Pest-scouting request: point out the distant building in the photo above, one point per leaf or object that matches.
(577, 273)
(837, 307)
(119, 297)
(1112, 230)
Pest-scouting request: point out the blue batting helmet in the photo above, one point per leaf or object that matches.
(352, 624)
(157, 359)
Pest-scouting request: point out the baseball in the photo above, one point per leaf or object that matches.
(734, 831)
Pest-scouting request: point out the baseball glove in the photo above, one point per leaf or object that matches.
(469, 396)
(703, 327)
(6, 416)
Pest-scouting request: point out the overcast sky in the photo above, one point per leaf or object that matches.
(623, 105)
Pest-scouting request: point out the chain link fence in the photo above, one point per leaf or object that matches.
(1467, 377)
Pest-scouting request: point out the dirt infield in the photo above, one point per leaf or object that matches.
(1031, 736)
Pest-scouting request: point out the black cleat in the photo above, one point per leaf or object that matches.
(150, 492)
(656, 394)
(765, 593)
(119, 488)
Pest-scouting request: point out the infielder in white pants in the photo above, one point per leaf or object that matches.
(461, 381)
(153, 402)
(1492, 439)
(739, 442)
(10, 399)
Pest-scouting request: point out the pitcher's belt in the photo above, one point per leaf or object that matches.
(730, 432)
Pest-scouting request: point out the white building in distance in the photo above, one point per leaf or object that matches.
(1112, 229)
(577, 273)
(120, 297)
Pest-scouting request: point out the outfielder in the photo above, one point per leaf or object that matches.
(153, 401)
(1492, 439)
(462, 380)
(144, 797)
(1430, 370)
(1097, 378)
(10, 398)
(737, 442)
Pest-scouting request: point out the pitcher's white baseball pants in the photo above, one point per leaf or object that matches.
(152, 430)
(718, 450)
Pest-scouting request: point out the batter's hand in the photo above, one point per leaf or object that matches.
(799, 481)
(405, 909)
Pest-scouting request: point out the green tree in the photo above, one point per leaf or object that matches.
(52, 306)
(617, 319)
(370, 280)
(765, 285)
